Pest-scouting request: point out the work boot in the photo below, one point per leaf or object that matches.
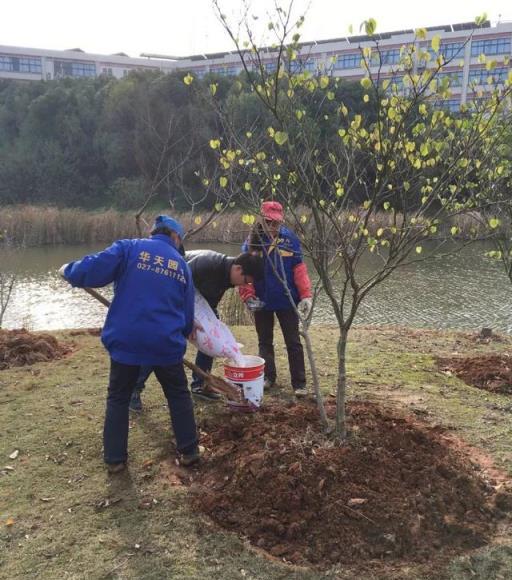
(202, 393)
(268, 384)
(301, 393)
(113, 468)
(188, 459)
(136, 402)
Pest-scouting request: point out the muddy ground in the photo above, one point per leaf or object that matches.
(21, 347)
(397, 491)
(492, 372)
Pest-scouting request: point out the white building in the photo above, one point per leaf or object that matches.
(341, 56)
(37, 64)
(461, 44)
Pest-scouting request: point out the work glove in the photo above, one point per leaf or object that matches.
(254, 304)
(304, 307)
(61, 271)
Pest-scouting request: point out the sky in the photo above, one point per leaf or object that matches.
(185, 27)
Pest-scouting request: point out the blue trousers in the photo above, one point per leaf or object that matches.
(123, 379)
(203, 361)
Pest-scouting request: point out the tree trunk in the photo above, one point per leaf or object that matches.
(314, 374)
(341, 393)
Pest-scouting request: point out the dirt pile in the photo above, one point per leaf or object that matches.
(21, 347)
(397, 491)
(489, 372)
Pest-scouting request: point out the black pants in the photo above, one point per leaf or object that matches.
(289, 322)
(122, 382)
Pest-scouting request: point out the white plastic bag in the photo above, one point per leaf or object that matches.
(215, 339)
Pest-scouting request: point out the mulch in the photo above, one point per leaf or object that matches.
(491, 372)
(21, 347)
(396, 491)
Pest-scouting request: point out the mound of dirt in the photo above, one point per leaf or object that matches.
(491, 372)
(21, 347)
(397, 491)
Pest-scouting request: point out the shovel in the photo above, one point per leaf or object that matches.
(211, 382)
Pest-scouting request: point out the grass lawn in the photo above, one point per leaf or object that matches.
(62, 516)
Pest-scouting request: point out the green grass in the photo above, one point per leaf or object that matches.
(56, 494)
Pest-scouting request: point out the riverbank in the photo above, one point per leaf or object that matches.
(31, 226)
(67, 517)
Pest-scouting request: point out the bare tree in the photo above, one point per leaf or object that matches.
(7, 282)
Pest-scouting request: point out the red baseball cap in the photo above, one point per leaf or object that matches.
(272, 210)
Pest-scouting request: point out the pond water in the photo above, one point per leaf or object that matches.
(461, 291)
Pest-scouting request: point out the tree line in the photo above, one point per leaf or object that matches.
(97, 143)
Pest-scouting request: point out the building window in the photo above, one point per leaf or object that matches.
(226, 71)
(68, 68)
(20, 64)
(452, 105)
(452, 50)
(480, 76)
(346, 61)
(490, 46)
(386, 57)
(455, 78)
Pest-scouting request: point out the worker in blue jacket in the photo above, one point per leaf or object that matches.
(148, 322)
(284, 290)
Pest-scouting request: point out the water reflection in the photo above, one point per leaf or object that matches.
(463, 290)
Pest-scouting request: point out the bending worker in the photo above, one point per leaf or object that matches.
(213, 273)
(148, 322)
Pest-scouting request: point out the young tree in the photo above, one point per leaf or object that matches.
(7, 282)
(390, 180)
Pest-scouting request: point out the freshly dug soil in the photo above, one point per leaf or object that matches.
(489, 372)
(396, 491)
(21, 347)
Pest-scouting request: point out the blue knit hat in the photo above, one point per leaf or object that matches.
(165, 221)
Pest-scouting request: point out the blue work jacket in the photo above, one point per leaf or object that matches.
(281, 255)
(152, 311)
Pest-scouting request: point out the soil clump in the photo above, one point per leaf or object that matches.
(21, 347)
(491, 372)
(397, 491)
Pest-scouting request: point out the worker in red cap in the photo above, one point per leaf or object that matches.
(285, 288)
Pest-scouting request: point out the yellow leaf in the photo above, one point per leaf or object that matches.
(494, 223)
(366, 83)
(9, 522)
(436, 43)
(247, 186)
(223, 181)
(218, 206)
(213, 89)
(380, 231)
(188, 79)
(419, 249)
(280, 137)
(198, 220)
(324, 82)
(366, 98)
(303, 219)
(214, 143)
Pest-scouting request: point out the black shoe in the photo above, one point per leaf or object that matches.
(113, 468)
(188, 459)
(136, 402)
(206, 395)
(268, 384)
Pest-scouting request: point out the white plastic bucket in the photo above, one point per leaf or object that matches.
(249, 378)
